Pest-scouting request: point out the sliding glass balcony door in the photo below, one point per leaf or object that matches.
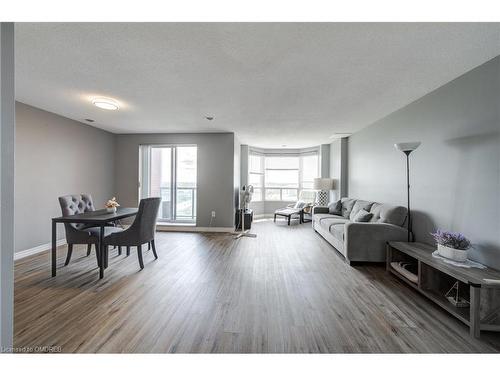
(170, 172)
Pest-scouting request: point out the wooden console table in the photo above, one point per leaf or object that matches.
(481, 287)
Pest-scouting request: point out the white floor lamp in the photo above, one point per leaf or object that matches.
(407, 148)
(246, 198)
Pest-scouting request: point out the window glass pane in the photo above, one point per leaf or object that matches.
(174, 182)
(186, 183)
(255, 164)
(195, 192)
(161, 179)
(257, 195)
(310, 166)
(255, 179)
(272, 194)
(186, 167)
(185, 206)
(289, 194)
(276, 177)
(282, 178)
(307, 185)
(282, 162)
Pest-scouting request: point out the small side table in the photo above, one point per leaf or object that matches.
(305, 218)
(289, 212)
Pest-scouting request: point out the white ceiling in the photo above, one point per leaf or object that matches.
(272, 84)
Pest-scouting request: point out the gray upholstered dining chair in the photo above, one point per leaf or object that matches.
(81, 234)
(141, 231)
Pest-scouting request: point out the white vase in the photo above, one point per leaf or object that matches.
(451, 253)
(111, 210)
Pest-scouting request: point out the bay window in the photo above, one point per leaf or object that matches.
(281, 177)
(256, 175)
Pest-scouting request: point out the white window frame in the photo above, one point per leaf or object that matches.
(144, 187)
(261, 175)
(263, 155)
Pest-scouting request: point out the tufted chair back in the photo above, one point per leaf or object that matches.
(76, 204)
(73, 205)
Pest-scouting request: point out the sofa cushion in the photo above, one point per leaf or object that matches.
(347, 205)
(337, 231)
(329, 221)
(317, 217)
(385, 213)
(335, 208)
(362, 216)
(358, 206)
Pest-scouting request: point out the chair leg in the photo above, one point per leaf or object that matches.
(149, 246)
(289, 217)
(128, 250)
(139, 255)
(98, 254)
(154, 249)
(106, 256)
(89, 249)
(68, 256)
(119, 250)
(275, 218)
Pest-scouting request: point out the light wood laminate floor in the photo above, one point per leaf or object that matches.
(285, 291)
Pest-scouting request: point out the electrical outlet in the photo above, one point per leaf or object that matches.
(213, 213)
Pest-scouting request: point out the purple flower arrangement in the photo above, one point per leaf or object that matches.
(451, 239)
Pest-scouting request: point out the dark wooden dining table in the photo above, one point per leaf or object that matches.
(97, 218)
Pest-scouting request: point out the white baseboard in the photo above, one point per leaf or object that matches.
(160, 228)
(37, 249)
(188, 228)
(263, 216)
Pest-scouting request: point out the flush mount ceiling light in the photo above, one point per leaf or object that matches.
(209, 118)
(106, 103)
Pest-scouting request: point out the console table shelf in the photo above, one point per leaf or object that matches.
(435, 278)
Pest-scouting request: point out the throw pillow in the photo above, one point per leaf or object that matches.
(362, 216)
(347, 205)
(360, 205)
(335, 208)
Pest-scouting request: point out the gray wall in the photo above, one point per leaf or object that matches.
(244, 153)
(216, 157)
(338, 168)
(7, 145)
(236, 174)
(324, 161)
(56, 156)
(455, 174)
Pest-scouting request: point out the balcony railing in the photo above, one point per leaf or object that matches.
(185, 210)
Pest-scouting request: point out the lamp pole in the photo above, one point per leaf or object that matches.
(407, 148)
(407, 153)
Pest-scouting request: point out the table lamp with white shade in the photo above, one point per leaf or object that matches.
(407, 148)
(323, 185)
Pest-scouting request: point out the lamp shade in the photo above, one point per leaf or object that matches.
(407, 146)
(323, 184)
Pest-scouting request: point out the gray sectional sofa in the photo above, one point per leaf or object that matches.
(357, 241)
